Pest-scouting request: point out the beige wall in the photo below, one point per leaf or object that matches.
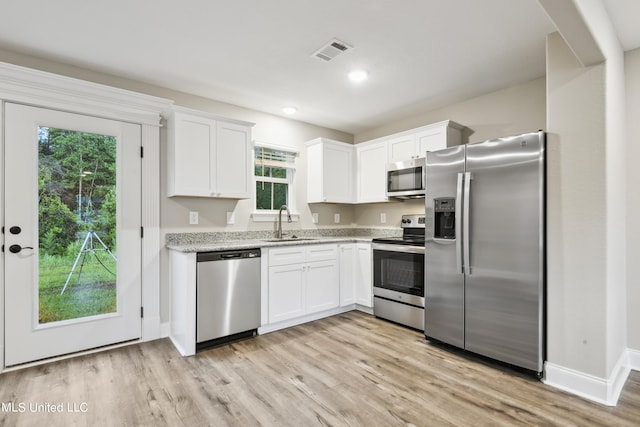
(632, 73)
(509, 111)
(505, 112)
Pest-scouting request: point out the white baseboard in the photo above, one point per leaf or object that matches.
(602, 390)
(634, 359)
(364, 309)
(303, 319)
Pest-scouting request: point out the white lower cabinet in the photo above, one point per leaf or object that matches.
(347, 274)
(356, 286)
(363, 273)
(286, 293)
(302, 280)
(322, 286)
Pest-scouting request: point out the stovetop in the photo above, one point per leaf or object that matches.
(409, 241)
(412, 232)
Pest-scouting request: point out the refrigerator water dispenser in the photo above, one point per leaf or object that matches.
(444, 209)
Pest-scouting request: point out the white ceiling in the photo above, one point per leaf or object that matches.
(420, 54)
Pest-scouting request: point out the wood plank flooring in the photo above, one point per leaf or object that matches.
(347, 370)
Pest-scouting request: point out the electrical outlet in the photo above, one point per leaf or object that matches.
(336, 218)
(231, 219)
(193, 217)
(314, 218)
(383, 218)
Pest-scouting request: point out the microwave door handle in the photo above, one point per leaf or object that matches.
(458, 224)
(466, 228)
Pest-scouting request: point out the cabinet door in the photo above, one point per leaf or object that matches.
(337, 174)
(372, 173)
(232, 161)
(363, 275)
(322, 287)
(190, 152)
(286, 292)
(402, 148)
(347, 274)
(431, 140)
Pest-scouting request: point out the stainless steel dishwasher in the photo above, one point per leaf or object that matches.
(227, 296)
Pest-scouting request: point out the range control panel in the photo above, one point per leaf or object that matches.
(412, 221)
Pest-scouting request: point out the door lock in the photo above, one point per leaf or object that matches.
(15, 230)
(14, 249)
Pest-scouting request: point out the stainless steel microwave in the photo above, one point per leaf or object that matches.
(407, 179)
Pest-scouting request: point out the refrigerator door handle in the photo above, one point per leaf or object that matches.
(466, 227)
(458, 225)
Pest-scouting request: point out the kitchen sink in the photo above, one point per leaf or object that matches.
(289, 239)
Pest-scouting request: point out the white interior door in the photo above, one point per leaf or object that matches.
(72, 233)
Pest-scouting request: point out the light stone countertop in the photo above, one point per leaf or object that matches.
(221, 241)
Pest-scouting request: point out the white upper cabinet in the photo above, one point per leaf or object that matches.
(371, 172)
(402, 147)
(437, 136)
(208, 156)
(329, 171)
(416, 142)
(232, 161)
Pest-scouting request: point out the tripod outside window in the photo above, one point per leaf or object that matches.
(88, 247)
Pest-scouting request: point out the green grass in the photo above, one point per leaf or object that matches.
(90, 292)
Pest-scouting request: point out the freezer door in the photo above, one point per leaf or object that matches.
(504, 291)
(444, 281)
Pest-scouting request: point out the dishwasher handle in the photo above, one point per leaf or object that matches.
(227, 255)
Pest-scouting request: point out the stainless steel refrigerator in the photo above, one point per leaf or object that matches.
(485, 249)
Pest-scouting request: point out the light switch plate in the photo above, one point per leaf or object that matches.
(383, 218)
(336, 218)
(314, 218)
(193, 217)
(231, 219)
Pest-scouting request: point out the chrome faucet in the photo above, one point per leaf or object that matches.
(279, 229)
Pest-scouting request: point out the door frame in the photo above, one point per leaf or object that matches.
(41, 89)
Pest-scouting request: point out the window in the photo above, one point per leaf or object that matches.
(274, 170)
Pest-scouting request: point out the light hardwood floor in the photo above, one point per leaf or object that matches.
(351, 369)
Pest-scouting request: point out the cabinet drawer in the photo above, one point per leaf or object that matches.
(322, 252)
(286, 255)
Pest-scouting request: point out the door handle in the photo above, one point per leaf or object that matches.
(466, 228)
(14, 249)
(458, 224)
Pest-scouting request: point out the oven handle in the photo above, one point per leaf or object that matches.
(398, 248)
(458, 224)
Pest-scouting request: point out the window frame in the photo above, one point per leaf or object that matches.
(262, 215)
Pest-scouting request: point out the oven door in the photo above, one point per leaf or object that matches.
(398, 273)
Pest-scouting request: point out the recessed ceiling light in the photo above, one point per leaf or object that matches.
(289, 110)
(358, 76)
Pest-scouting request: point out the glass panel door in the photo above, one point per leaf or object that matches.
(72, 212)
(76, 224)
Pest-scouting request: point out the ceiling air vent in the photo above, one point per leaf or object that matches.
(331, 50)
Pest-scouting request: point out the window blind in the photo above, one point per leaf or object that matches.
(271, 157)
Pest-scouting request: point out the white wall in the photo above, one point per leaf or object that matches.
(632, 82)
(586, 278)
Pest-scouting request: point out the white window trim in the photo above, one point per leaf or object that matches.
(264, 215)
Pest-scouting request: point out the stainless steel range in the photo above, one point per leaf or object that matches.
(398, 274)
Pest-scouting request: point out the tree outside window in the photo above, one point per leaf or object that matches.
(274, 171)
